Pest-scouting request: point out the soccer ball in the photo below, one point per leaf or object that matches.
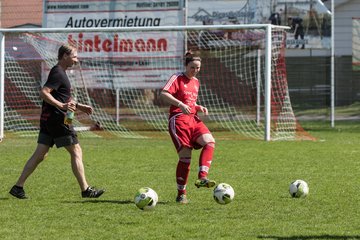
(146, 198)
(223, 193)
(299, 188)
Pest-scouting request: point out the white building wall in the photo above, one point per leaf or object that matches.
(343, 26)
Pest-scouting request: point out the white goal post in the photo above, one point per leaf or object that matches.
(242, 82)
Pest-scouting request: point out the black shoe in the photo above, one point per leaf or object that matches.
(205, 183)
(18, 192)
(92, 192)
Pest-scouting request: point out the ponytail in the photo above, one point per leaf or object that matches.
(190, 57)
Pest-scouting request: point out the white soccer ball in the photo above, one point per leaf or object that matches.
(299, 188)
(146, 198)
(223, 193)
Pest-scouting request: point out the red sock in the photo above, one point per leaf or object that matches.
(205, 160)
(182, 174)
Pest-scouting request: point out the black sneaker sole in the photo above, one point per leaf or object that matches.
(16, 194)
(97, 195)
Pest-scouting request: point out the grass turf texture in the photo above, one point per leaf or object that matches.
(260, 173)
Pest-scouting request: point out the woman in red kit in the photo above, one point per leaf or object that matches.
(186, 129)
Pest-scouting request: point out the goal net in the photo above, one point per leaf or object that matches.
(122, 71)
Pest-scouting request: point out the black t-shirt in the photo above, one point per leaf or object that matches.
(275, 19)
(297, 21)
(60, 83)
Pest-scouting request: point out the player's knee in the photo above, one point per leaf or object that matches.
(38, 157)
(185, 152)
(186, 160)
(211, 141)
(211, 144)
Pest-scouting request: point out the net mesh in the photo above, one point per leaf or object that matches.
(121, 74)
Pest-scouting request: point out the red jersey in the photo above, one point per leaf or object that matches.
(184, 89)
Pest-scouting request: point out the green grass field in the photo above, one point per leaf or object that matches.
(260, 173)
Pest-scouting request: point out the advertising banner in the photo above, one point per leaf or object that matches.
(134, 56)
(356, 44)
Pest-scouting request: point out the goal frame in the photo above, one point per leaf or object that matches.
(268, 47)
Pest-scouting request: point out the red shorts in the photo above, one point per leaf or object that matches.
(185, 129)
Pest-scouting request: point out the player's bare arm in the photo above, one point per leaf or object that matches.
(84, 108)
(170, 99)
(45, 94)
(202, 109)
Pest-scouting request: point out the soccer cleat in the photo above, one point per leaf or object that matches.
(182, 199)
(18, 192)
(92, 192)
(204, 183)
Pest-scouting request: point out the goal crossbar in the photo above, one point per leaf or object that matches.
(144, 29)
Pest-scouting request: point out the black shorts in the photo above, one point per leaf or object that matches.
(58, 133)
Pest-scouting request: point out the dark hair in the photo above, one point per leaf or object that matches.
(189, 57)
(64, 49)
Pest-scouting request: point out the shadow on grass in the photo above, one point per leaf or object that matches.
(102, 201)
(310, 237)
(3, 198)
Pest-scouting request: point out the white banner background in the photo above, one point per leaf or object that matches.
(134, 61)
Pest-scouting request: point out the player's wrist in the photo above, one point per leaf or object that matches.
(179, 104)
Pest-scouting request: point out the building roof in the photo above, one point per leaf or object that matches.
(16, 13)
